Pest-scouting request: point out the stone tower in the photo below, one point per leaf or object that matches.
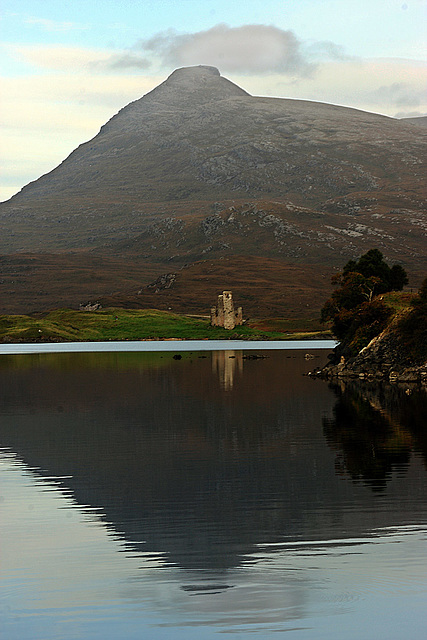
(224, 315)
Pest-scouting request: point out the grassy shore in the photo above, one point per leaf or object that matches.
(67, 325)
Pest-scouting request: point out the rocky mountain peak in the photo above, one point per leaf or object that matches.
(199, 71)
(193, 86)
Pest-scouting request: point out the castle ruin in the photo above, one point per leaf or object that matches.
(224, 315)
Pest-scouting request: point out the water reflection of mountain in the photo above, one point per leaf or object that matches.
(375, 429)
(177, 458)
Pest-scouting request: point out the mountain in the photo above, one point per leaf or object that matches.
(420, 121)
(200, 170)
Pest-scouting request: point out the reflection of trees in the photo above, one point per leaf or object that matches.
(375, 429)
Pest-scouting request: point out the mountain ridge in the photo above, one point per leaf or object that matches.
(222, 141)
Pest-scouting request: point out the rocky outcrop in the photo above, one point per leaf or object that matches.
(165, 281)
(90, 306)
(383, 359)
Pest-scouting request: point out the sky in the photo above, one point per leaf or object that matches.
(67, 66)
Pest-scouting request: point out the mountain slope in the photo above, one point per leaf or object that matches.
(420, 121)
(198, 138)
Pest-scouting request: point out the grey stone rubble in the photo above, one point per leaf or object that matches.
(89, 306)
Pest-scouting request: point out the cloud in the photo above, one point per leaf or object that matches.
(26, 98)
(123, 62)
(252, 50)
(248, 49)
(410, 114)
(53, 25)
(326, 50)
(78, 59)
(59, 57)
(400, 94)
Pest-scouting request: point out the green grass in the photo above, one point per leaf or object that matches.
(398, 300)
(128, 324)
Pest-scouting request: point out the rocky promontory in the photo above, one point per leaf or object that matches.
(386, 358)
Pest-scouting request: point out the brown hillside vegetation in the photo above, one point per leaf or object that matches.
(265, 287)
(39, 282)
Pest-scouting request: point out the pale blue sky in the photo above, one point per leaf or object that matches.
(367, 28)
(68, 65)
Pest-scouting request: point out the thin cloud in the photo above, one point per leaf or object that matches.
(78, 59)
(54, 25)
(123, 62)
(326, 51)
(399, 94)
(410, 114)
(248, 49)
(58, 57)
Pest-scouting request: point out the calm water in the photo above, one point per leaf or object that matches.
(208, 494)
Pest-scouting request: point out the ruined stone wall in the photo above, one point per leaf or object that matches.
(224, 315)
(227, 301)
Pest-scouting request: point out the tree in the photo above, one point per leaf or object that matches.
(353, 308)
(398, 278)
(372, 264)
